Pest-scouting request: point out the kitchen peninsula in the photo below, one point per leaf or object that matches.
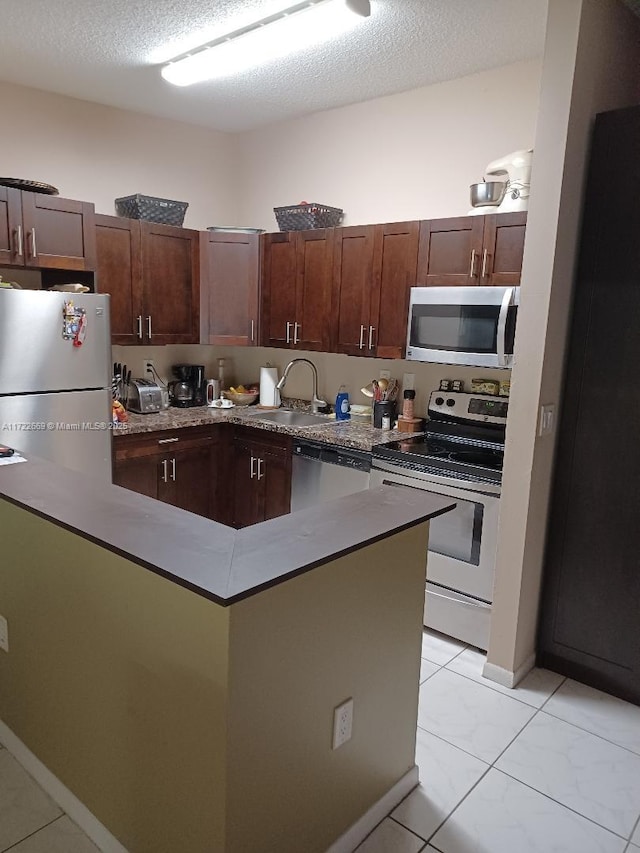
(179, 677)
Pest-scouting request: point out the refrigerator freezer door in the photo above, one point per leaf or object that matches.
(34, 356)
(70, 428)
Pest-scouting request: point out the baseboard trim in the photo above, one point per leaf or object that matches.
(59, 792)
(504, 676)
(348, 842)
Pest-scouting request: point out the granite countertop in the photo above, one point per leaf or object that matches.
(215, 561)
(356, 433)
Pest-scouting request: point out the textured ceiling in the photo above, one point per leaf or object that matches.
(108, 51)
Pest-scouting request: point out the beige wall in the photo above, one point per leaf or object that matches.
(591, 64)
(406, 156)
(97, 154)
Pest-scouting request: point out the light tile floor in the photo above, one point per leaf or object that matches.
(552, 766)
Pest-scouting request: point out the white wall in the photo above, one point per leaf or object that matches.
(97, 154)
(406, 156)
(591, 64)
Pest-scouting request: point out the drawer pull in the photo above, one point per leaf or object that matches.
(167, 440)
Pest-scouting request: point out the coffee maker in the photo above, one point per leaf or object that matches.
(187, 389)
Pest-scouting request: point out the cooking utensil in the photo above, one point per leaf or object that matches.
(392, 390)
(367, 390)
(487, 193)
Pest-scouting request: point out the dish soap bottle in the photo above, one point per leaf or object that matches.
(342, 405)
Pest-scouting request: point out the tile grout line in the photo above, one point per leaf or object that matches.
(412, 831)
(35, 832)
(635, 826)
(589, 732)
(454, 745)
(495, 690)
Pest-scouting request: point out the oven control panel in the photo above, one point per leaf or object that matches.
(460, 406)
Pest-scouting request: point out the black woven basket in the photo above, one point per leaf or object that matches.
(300, 217)
(164, 211)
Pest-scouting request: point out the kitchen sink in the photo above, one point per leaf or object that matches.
(289, 417)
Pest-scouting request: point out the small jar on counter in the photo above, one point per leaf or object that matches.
(408, 405)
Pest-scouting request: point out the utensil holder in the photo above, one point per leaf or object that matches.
(381, 408)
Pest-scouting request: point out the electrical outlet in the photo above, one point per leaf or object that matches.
(148, 365)
(4, 634)
(408, 381)
(342, 723)
(385, 374)
(547, 419)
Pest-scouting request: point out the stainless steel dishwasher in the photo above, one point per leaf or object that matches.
(321, 473)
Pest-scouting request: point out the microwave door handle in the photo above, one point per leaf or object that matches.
(507, 301)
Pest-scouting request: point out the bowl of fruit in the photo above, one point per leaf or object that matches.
(242, 395)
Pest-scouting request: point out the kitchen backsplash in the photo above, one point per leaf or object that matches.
(242, 365)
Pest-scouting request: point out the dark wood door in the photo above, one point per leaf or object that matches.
(59, 232)
(395, 269)
(12, 251)
(278, 289)
(185, 479)
(589, 624)
(450, 252)
(312, 323)
(352, 289)
(274, 470)
(119, 273)
(171, 284)
(248, 499)
(230, 270)
(139, 474)
(503, 248)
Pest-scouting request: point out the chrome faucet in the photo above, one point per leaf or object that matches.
(316, 402)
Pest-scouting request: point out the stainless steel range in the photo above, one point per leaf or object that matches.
(460, 457)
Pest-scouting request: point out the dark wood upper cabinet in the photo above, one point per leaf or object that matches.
(450, 252)
(503, 248)
(296, 289)
(352, 289)
(278, 289)
(230, 272)
(119, 273)
(471, 250)
(46, 232)
(395, 265)
(152, 273)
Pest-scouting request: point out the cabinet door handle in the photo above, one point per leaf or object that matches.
(288, 333)
(252, 331)
(173, 469)
(485, 256)
(164, 471)
(361, 344)
(253, 473)
(149, 326)
(371, 331)
(472, 268)
(296, 327)
(167, 440)
(139, 327)
(260, 472)
(34, 249)
(20, 246)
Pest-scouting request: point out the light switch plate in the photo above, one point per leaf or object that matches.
(4, 634)
(408, 381)
(547, 421)
(385, 374)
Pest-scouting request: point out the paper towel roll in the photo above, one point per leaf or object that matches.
(269, 394)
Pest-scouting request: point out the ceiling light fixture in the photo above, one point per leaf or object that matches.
(295, 29)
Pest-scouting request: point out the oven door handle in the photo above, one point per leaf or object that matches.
(501, 341)
(449, 487)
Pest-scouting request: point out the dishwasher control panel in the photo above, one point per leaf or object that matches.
(356, 460)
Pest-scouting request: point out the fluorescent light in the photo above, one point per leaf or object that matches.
(296, 29)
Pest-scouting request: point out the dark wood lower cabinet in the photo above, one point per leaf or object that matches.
(179, 467)
(262, 477)
(591, 594)
(235, 475)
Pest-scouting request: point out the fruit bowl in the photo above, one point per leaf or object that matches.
(242, 396)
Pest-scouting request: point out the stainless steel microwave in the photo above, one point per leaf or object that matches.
(474, 326)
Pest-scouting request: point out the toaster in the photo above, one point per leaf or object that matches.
(144, 397)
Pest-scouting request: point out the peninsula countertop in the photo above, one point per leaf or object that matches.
(356, 433)
(218, 562)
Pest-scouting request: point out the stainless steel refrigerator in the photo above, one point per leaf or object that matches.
(55, 398)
